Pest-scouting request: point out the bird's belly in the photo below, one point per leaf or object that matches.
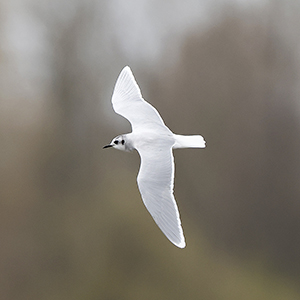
(152, 139)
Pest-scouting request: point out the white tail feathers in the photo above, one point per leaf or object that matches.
(189, 141)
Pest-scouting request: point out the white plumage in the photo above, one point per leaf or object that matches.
(154, 142)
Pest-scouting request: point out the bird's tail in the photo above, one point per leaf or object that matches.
(189, 141)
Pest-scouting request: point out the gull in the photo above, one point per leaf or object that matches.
(154, 142)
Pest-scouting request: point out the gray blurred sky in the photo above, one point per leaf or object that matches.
(141, 28)
(142, 31)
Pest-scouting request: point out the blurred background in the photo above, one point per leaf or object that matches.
(72, 223)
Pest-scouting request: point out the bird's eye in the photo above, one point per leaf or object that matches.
(123, 142)
(116, 142)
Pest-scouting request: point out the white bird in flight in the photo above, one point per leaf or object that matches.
(154, 142)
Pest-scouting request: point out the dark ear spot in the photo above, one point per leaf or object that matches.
(123, 142)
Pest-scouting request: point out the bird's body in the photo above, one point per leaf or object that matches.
(154, 142)
(151, 139)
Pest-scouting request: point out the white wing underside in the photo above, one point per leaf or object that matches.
(156, 174)
(155, 181)
(128, 102)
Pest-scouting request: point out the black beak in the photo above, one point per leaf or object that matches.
(107, 146)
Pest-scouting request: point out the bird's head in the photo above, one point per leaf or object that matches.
(119, 143)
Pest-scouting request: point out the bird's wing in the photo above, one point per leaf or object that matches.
(155, 182)
(128, 102)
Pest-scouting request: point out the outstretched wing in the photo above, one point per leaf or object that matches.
(128, 102)
(155, 182)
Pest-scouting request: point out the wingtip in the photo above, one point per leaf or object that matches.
(127, 69)
(181, 245)
(125, 73)
(125, 87)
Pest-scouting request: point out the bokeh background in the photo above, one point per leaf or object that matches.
(72, 224)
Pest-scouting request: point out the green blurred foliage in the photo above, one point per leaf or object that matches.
(73, 225)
